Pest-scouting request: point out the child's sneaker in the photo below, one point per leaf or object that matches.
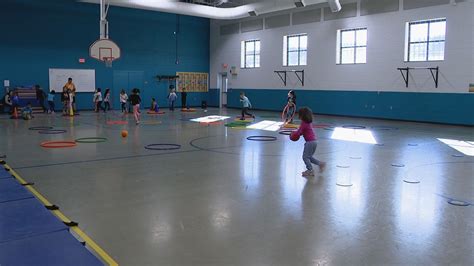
(308, 173)
(322, 166)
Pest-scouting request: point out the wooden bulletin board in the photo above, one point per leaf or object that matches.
(193, 81)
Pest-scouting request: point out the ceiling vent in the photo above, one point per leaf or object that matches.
(300, 3)
(253, 13)
(334, 5)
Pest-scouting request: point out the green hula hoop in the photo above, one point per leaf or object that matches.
(91, 140)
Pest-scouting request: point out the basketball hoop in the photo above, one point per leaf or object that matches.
(108, 61)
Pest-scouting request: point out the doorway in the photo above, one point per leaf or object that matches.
(223, 86)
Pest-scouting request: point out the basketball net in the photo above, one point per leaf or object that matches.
(108, 61)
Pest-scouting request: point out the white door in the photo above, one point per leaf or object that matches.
(223, 81)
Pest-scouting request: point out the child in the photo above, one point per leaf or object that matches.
(27, 112)
(306, 129)
(154, 106)
(290, 107)
(51, 101)
(107, 100)
(15, 104)
(184, 95)
(135, 100)
(246, 105)
(123, 101)
(98, 100)
(171, 98)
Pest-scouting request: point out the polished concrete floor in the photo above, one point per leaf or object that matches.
(224, 200)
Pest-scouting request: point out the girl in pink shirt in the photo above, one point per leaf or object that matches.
(306, 129)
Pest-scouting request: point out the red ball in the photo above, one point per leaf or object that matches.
(294, 136)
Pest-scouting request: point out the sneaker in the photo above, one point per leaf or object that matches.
(308, 173)
(322, 166)
(138, 122)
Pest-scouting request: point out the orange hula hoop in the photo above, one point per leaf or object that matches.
(58, 144)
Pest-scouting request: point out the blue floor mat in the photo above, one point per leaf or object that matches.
(58, 248)
(10, 190)
(4, 173)
(26, 218)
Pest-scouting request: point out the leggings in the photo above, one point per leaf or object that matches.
(107, 106)
(124, 107)
(136, 112)
(51, 106)
(245, 111)
(308, 152)
(99, 106)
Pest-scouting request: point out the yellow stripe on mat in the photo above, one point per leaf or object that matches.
(93, 245)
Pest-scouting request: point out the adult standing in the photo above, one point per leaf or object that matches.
(184, 95)
(70, 86)
(40, 97)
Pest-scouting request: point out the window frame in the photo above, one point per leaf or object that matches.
(243, 60)
(286, 49)
(354, 47)
(427, 42)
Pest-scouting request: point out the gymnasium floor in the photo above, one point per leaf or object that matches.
(224, 200)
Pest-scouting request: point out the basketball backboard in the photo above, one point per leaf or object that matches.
(104, 50)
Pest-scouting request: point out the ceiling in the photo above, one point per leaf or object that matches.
(214, 9)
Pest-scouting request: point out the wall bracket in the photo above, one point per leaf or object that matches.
(283, 75)
(405, 71)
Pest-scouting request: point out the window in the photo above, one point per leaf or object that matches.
(295, 50)
(351, 46)
(250, 54)
(425, 40)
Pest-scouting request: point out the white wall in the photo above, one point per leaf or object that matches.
(385, 52)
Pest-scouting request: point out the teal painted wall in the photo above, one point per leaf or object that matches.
(450, 108)
(38, 35)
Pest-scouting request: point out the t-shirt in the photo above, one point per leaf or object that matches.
(107, 97)
(306, 130)
(123, 98)
(50, 97)
(135, 99)
(8, 100)
(72, 87)
(245, 102)
(98, 97)
(172, 96)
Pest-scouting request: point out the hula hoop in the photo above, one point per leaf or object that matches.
(236, 125)
(58, 144)
(245, 121)
(162, 147)
(262, 138)
(150, 123)
(247, 116)
(215, 123)
(285, 111)
(384, 128)
(321, 125)
(353, 126)
(40, 128)
(188, 110)
(117, 122)
(286, 132)
(290, 126)
(91, 140)
(52, 131)
(155, 113)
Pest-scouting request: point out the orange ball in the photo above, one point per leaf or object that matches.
(124, 133)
